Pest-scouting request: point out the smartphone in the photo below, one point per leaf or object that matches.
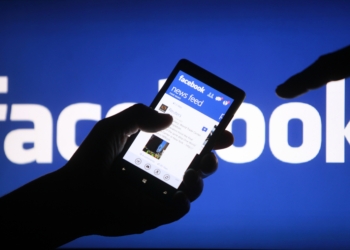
(201, 105)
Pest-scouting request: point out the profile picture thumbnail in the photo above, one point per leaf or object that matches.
(155, 146)
(163, 108)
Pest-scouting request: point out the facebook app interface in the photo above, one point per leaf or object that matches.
(196, 109)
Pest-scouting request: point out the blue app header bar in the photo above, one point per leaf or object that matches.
(199, 96)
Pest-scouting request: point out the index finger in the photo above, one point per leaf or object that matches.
(329, 67)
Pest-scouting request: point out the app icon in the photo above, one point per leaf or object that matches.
(219, 98)
(204, 129)
(226, 102)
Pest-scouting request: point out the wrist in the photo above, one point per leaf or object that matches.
(45, 213)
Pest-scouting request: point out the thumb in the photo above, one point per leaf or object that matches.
(109, 135)
(140, 117)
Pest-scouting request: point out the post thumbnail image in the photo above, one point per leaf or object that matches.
(155, 146)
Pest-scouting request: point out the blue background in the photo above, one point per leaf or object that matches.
(57, 53)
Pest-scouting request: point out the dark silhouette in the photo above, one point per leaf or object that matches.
(85, 197)
(330, 67)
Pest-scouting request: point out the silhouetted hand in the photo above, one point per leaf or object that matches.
(85, 197)
(329, 67)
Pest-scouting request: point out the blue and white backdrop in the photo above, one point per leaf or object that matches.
(284, 183)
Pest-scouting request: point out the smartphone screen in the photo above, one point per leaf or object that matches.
(197, 109)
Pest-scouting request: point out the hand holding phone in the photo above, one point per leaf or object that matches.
(111, 205)
(201, 105)
(87, 196)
